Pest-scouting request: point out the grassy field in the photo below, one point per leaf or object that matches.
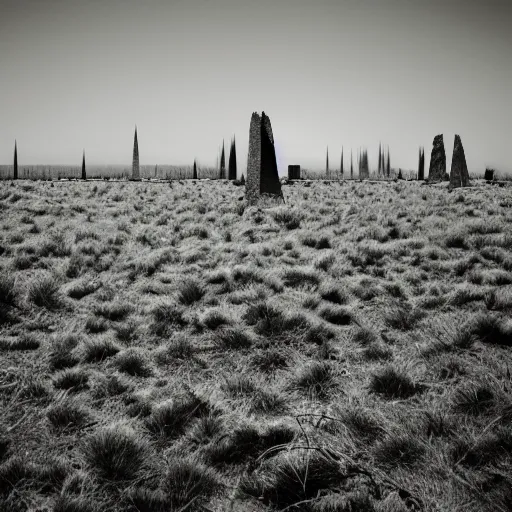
(163, 347)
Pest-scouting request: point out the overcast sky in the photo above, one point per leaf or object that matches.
(80, 74)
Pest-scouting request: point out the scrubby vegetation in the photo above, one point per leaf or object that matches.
(168, 348)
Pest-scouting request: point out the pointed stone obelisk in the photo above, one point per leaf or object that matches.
(194, 171)
(84, 175)
(232, 161)
(327, 171)
(135, 162)
(262, 173)
(341, 163)
(437, 168)
(15, 163)
(222, 174)
(459, 176)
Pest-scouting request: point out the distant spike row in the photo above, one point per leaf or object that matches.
(263, 176)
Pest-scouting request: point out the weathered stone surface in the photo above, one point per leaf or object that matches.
(489, 174)
(437, 169)
(294, 172)
(262, 173)
(459, 176)
(135, 162)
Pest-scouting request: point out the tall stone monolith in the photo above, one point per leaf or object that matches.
(262, 173)
(459, 176)
(437, 168)
(135, 162)
(15, 165)
(84, 173)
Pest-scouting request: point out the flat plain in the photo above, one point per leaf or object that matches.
(165, 347)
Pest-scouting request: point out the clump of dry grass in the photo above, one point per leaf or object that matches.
(170, 419)
(247, 442)
(391, 382)
(116, 453)
(166, 319)
(316, 380)
(44, 291)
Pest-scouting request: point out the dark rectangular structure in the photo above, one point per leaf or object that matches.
(294, 172)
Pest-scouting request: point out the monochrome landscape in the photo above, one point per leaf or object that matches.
(316, 319)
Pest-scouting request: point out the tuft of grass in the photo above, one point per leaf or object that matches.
(392, 383)
(317, 379)
(82, 289)
(239, 386)
(267, 401)
(166, 319)
(74, 379)
(377, 351)
(268, 361)
(95, 325)
(114, 311)
(8, 290)
(96, 350)
(116, 453)
(364, 336)
(35, 389)
(61, 355)
(215, 318)
(474, 400)
(362, 423)
(403, 318)
(233, 338)
(190, 292)
(170, 419)
(270, 321)
(497, 300)
(333, 294)
(319, 334)
(126, 332)
(336, 315)
(490, 329)
(402, 449)
(456, 240)
(44, 291)
(111, 385)
(178, 348)
(68, 415)
(246, 442)
(297, 478)
(489, 448)
(189, 485)
(205, 429)
(26, 341)
(133, 362)
(301, 278)
(291, 219)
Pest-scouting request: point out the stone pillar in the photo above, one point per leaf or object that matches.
(135, 162)
(262, 173)
(294, 172)
(252, 184)
(437, 168)
(459, 176)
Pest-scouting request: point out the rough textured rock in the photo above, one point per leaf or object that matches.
(262, 174)
(459, 176)
(15, 167)
(437, 169)
(84, 174)
(135, 162)
(294, 172)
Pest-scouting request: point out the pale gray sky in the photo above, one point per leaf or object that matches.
(82, 73)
